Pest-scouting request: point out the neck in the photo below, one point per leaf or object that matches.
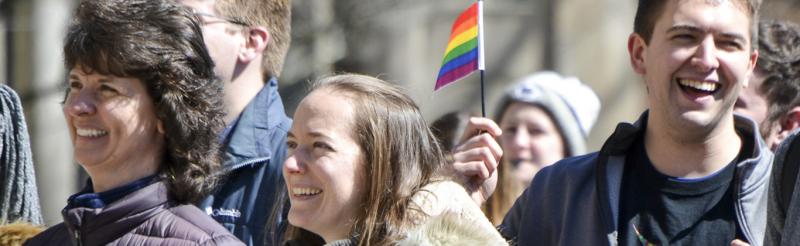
(691, 154)
(106, 177)
(241, 90)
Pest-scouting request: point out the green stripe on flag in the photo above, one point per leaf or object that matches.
(460, 50)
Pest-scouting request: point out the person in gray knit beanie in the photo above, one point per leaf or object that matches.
(19, 199)
(545, 117)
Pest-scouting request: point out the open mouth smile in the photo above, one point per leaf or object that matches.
(697, 86)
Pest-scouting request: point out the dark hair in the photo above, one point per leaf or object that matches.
(648, 12)
(401, 156)
(160, 43)
(448, 128)
(276, 16)
(779, 64)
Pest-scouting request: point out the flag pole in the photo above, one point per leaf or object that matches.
(481, 55)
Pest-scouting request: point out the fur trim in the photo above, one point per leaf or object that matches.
(15, 234)
(449, 229)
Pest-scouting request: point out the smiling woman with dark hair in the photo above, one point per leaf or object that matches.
(143, 111)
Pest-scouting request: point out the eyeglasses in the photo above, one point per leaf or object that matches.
(221, 18)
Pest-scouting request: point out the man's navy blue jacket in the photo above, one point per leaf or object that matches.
(255, 148)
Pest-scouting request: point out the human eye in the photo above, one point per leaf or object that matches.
(291, 144)
(683, 38)
(323, 146)
(74, 85)
(108, 90)
(730, 45)
(509, 129)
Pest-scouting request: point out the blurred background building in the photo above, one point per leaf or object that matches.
(399, 41)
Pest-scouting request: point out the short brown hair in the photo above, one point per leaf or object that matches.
(779, 63)
(401, 155)
(648, 12)
(160, 43)
(275, 15)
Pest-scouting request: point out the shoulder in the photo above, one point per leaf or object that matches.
(450, 229)
(570, 169)
(447, 199)
(187, 222)
(53, 235)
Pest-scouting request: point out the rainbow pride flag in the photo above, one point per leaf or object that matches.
(464, 53)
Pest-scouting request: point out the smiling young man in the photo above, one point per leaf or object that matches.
(248, 41)
(688, 172)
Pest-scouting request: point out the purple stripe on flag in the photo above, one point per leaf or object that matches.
(459, 61)
(456, 74)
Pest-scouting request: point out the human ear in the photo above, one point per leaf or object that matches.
(751, 67)
(257, 39)
(636, 49)
(790, 123)
(160, 127)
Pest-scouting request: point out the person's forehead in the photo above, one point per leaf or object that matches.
(708, 13)
(203, 6)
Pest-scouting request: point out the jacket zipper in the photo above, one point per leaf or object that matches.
(78, 238)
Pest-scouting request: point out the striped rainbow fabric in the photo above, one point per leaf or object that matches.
(464, 53)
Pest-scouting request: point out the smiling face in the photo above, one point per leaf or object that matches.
(531, 140)
(324, 169)
(698, 59)
(112, 124)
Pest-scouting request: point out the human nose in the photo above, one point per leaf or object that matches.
(521, 137)
(80, 103)
(295, 163)
(705, 56)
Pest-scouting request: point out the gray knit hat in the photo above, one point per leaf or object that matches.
(19, 199)
(573, 105)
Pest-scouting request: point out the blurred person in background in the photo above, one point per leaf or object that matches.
(545, 117)
(364, 169)
(143, 110)
(449, 127)
(248, 41)
(772, 99)
(20, 214)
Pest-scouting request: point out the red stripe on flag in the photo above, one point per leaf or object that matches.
(463, 27)
(470, 12)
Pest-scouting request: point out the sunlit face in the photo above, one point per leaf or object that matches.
(223, 39)
(698, 60)
(112, 122)
(530, 140)
(324, 171)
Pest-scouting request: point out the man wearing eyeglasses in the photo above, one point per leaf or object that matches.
(248, 41)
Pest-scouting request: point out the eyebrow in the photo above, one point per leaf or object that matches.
(694, 29)
(312, 134)
(684, 28)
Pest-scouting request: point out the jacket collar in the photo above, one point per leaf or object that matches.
(114, 220)
(246, 140)
(752, 175)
